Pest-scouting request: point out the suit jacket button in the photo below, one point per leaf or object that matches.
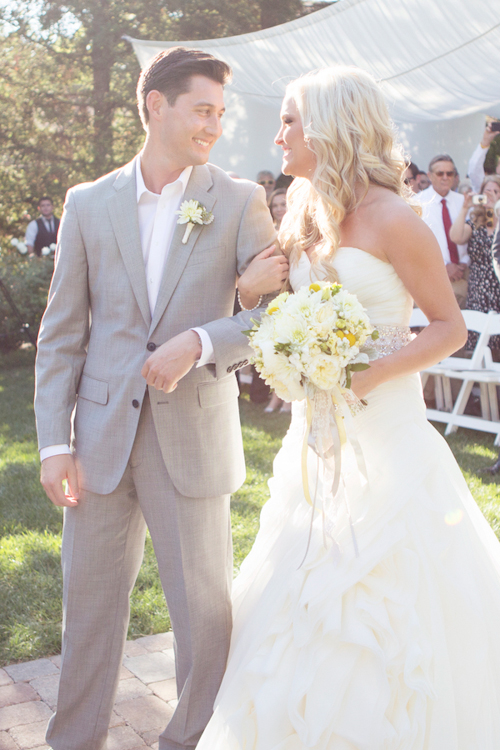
(135, 403)
(151, 346)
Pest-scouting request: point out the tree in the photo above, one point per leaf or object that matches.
(67, 84)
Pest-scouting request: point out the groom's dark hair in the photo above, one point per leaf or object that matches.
(170, 72)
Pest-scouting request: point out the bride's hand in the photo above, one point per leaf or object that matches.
(364, 381)
(264, 275)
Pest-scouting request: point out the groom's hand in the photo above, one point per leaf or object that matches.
(171, 361)
(56, 470)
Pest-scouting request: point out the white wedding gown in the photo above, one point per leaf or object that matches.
(397, 648)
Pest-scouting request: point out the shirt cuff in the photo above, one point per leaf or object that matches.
(207, 349)
(54, 450)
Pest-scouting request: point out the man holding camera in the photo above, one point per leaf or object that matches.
(476, 163)
(440, 207)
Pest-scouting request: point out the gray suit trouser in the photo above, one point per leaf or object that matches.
(103, 545)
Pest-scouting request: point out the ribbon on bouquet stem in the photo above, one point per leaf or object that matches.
(329, 428)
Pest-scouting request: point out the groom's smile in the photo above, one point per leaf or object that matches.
(190, 127)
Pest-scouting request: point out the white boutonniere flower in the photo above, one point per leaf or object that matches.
(191, 213)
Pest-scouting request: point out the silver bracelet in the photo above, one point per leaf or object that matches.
(248, 309)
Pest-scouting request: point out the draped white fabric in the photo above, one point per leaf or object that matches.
(437, 60)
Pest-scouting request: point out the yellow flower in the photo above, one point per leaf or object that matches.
(351, 338)
(314, 287)
(271, 310)
(340, 334)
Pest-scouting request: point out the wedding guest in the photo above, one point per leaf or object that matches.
(266, 179)
(284, 181)
(495, 251)
(42, 232)
(440, 207)
(422, 181)
(483, 292)
(410, 176)
(476, 162)
(465, 186)
(277, 206)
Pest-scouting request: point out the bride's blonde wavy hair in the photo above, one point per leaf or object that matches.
(346, 124)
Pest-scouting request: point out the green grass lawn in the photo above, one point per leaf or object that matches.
(30, 536)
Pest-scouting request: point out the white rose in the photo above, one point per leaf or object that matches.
(324, 372)
(45, 250)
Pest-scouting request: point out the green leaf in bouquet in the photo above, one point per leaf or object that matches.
(359, 366)
(283, 348)
(375, 335)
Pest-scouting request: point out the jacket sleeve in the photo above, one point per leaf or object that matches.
(64, 334)
(476, 167)
(256, 232)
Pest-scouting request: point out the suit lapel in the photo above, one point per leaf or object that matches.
(197, 189)
(122, 207)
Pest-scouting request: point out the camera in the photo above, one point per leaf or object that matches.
(495, 127)
(479, 200)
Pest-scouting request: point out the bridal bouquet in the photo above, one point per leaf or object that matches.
(315, 337)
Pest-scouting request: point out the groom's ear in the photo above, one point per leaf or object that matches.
(155, 102)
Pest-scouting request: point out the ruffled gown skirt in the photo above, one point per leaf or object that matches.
(396, 647)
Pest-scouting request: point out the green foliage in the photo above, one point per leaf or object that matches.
(28, 281)
(68, 78)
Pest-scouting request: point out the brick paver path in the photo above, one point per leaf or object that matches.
(145, 701)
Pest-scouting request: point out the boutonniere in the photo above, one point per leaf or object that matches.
(191, 213)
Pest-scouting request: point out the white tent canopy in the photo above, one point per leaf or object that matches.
(438, 63)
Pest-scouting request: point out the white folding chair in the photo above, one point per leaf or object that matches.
(475, 321)
(487, 376)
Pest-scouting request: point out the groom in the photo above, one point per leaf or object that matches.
(137, 335)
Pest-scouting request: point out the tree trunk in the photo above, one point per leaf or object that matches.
(102, 54)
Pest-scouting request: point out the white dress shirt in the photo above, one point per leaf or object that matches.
(32, 229)
(432, 214)
(157, 221)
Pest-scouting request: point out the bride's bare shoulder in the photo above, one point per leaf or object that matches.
(398, 226)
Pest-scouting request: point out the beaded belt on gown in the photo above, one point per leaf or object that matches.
(391, 339)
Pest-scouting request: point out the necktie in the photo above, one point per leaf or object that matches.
(447, 224)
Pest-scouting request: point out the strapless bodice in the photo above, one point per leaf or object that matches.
(374, 282)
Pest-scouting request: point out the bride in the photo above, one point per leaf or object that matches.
(394, 645)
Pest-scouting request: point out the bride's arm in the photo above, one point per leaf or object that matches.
(412, 249)
(266, 274)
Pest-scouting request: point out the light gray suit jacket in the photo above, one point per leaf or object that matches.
(97, 326)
